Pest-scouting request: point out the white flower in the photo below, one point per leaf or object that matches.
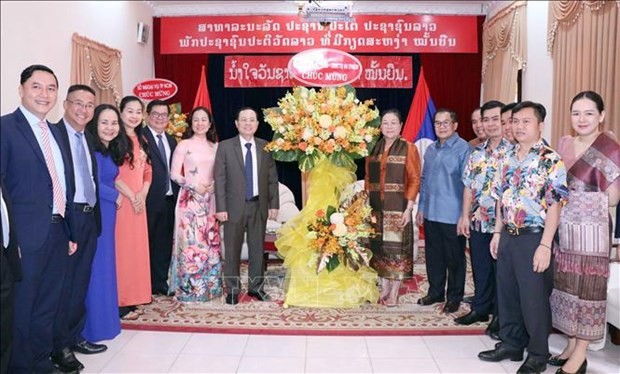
(367, 138)
(340, 230)
(307, 134)
(325, 121)
(340, 132)
(336, 218)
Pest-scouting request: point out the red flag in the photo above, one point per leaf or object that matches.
(202, 95)
(419, 123)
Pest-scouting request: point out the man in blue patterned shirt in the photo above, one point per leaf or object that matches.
(530, 189)
(441, 195)
(477, 220)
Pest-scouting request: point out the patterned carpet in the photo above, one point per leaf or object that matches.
(253, 317)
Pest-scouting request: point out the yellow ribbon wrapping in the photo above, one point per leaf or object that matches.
(340, 288)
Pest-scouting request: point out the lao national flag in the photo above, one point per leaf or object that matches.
(202, 94)
(419, 125)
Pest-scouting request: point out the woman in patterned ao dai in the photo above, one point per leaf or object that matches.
(579, 297)
(195, 270)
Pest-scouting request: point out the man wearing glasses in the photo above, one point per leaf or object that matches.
(161, 198)
(441, 196)
(79, 110)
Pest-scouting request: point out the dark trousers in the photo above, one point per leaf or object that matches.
(6, 312)
(161, 229)
(445, 253)
(37, 300)
(253, 225)
(523, 296)
(71, 317)
(483, 269)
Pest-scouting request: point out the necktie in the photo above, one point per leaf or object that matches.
(162, 151)
(60, 200)
(249, 180)
(82, 163)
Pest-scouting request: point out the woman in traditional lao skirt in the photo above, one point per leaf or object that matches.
(196, 270)
(578, 301)
(393, 182)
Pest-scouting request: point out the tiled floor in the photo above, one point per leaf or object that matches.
(172, 352)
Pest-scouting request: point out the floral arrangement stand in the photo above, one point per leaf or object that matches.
(324, 131)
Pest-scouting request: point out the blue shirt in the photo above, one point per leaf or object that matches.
(79, 196)
(441, 193)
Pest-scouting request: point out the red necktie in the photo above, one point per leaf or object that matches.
(59, 196)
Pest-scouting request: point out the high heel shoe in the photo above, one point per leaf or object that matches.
(581, 370)
(557, 361)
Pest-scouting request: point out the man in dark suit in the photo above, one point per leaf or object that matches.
(10, 272)
(246, 195)
(37, 171)
(162, 195)
(79, 110)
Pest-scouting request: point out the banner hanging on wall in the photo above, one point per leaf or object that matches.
(271, 71)
(290, 34)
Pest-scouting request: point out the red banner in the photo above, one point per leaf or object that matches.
(271, 71)
(289, 34)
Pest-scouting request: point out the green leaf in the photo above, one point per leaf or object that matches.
(330, 210)
(332, 264)
(342, 159)
(350, 89)
(307, 162)
(286, 156)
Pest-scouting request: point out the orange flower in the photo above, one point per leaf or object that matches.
(320, 213)
(303, 146)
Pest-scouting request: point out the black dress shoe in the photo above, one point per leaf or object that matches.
(471, 317)
(427, 300)
(232, 299)
(533, 366)
(557, 361)
(468, 299)
(581, 370)
(259, 295)
(500, 353)
(88, 348)
(65, 361)
(493, 329)
(451, 306)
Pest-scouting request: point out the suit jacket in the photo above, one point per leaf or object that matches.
(230, 179)
(91, 149)
(28, 182)
(159, 186)
(11, 251)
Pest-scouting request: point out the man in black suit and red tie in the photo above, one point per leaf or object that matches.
(79, 110)
(161, 198)
(36, 169)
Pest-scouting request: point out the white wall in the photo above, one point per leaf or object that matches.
(538, 74)
(40, 32)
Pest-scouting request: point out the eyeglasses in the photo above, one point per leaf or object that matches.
(89, 106)
(159, 115)
(442, 123)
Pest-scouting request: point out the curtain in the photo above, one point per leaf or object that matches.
(584, 42)
(98, 66)
(504, 52)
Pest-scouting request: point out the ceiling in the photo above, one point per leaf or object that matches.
(281, 7)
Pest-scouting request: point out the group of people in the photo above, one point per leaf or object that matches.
(537, 221)
(101, 212)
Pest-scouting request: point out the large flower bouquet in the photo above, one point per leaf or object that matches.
(177, 121)
(331, 122)
(339, 235)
